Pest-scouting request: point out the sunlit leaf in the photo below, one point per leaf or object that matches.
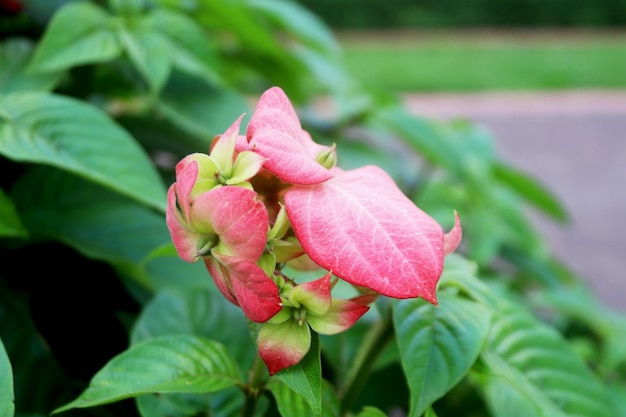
(168, 364)
(438, 345)
(74, 136)
(79, 33)
(7, 406)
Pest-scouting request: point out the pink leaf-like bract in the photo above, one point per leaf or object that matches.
(362, 227)
(245, 284)
(185, 240)
(284, 344)
(452, 239)
(237, 216)
(315, 295)
(341, 315)
(275, 133)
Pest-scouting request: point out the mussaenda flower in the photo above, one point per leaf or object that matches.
(226, 225)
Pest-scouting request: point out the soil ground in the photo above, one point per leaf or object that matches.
(574, 142)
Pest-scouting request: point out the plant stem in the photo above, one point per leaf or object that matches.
(375, 342)
(253, 388)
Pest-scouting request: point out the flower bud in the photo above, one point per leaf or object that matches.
(328, 157)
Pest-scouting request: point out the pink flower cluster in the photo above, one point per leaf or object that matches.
(275, 197)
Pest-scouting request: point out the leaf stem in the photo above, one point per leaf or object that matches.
(379, 335)
(252, 389)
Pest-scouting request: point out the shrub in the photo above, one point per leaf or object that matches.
(103, 311)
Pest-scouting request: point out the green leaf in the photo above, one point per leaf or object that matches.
(508, 393)
(460, 273)
(370, 411)
(438, 344)
(200, 109)
(10, 223)
(430, 413)
(168, 364)
(292, 404)
(148, 50)
(74, 136)
(531, 190)
(305, 378)
(618, 393)
(578, 304)
(174, 405)
(14, 55)
(95, 221)
(199, 311)
(79, 33)
(421, 134)
(193, 51)
(533, 367)
(32, 362)
(300, 21)
(7, 405)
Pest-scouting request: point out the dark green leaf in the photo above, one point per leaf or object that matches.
(95, 221)
(79, 33)
(14, 55)
(168, 364)
(7, 406)
(72, 135)
(438, 344)
(305, 378)
(10, 223)
(31, 360)
(199, 311)
(199, 109)
(532, 190)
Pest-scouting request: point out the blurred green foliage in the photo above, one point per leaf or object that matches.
(367, 14)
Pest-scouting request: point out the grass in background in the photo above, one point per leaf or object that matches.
(483, 60)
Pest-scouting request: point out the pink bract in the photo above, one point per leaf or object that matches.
(243, 283)
(361, 226)
(275, 133)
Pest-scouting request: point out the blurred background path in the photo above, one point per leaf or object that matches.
(574, 142)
